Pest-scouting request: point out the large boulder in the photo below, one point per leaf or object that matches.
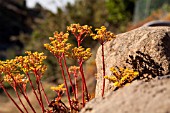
(138, 97)
(146, 49)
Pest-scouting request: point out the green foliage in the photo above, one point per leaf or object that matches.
(116, 9)
(119, 12)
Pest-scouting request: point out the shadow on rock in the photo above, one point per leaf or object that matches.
(145, 65)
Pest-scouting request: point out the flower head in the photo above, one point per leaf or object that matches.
(58, 88)
(15, 78)
(77, 28)
(8, 66)
(58, 44)
(13, 69)
(74, 70)
(79, 32)
(32, 62)
(81, 53)
(11, 72)
(103, 35)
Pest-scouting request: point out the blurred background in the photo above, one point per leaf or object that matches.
(27, 24)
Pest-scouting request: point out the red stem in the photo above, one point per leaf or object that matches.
(83, 100)
(24, 90)
(39, 90)
(65, 64)
(76, 87)
(103, 62)
(20, 98)
(83, 79)
(74, 35)
(84, 86)
(83, 37)
(28, 101)
(65, 82)
(23, 93)
(78, 39)
(2, 86)
(46, 98)
(33, 89)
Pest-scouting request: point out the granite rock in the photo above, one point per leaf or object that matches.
(139, 97)
(146, 49)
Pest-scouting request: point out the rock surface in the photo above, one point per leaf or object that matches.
(145, 49)
(138, 97)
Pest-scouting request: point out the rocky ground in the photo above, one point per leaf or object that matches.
(138, 97)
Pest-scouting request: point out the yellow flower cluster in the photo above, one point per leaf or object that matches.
(122, 76)
(58, 44)
(8, 66)
(81, 53)
(17, 77)
(11, 72)
(32, 62)
(58, 88)
(73, 69)
(77, 28)
(13, 69)
(103, 35)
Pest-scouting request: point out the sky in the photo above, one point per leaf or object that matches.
(49, 4)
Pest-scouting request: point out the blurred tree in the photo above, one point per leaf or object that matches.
(90, 12)
(120, 12)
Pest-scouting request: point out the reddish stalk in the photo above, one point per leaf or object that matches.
(6, 92)
(84, 86)
(65, 64)
(103, 62)
(28, 101)
(46, 98)
(76, 87)
(83, 38)
(24, 89)
(65, 82)
(39, 90)
(19, 98)
(79, 40)
(66, 108)
(33, 89)
(83, 100)
(83, 79)
(23, 94)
